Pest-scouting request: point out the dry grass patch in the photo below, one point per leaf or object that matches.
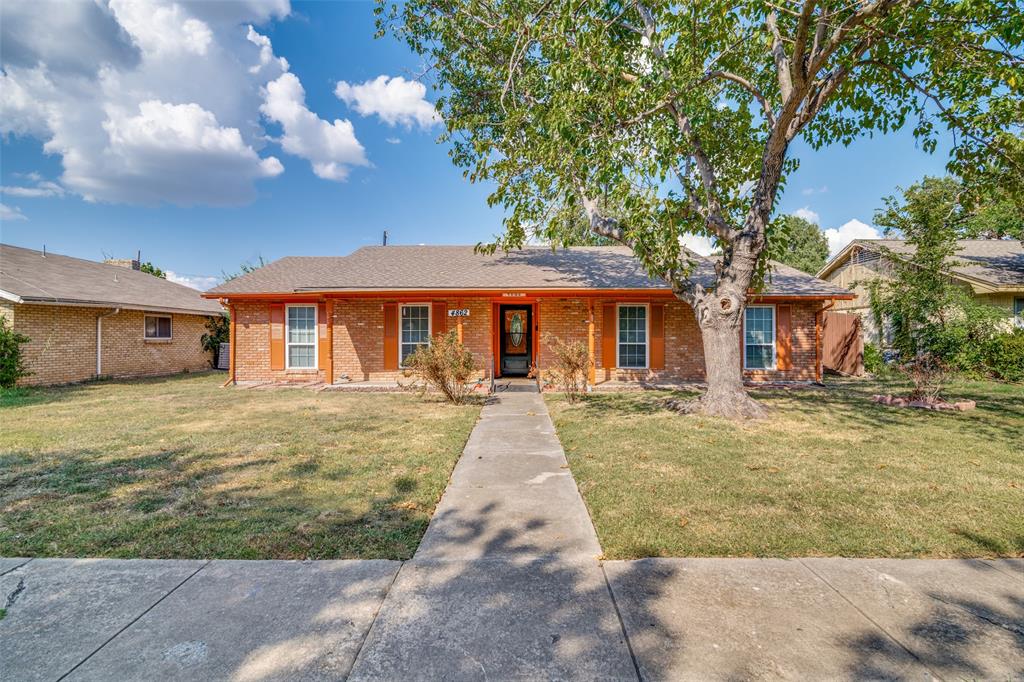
(180, 468)
(828, 474)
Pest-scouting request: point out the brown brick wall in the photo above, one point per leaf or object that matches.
(359, 341)
(63, 343)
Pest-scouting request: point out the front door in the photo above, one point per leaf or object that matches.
(516, 340)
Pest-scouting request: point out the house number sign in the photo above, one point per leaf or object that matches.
(459, 312)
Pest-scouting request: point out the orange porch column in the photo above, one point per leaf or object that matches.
(592, 366)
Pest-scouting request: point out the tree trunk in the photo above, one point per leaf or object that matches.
(718, 316)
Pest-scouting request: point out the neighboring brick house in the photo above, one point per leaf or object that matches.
(354, 318)
(86, 319)
(991, 269)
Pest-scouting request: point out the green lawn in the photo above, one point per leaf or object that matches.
(829, 474)
(181, 468)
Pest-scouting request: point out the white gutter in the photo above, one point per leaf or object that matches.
(99, 339)
(8, 296)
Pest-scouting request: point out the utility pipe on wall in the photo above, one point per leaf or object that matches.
(99, 339)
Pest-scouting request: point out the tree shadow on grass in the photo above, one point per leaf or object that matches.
(26, 396)
(156, 505)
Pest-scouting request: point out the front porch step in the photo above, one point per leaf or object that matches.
(515, 385)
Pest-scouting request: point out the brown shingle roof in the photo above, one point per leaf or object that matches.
(27, 275)
(396, 268)
(997, 262)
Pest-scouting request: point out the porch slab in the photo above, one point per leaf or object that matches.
(252, 620)
(538, 618)
(60, 611)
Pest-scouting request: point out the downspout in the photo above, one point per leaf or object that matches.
(99, 340)
(231, 346)
(818, 316)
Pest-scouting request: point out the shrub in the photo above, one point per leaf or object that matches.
(218, 331)
(960, 333)
(1004, 356)
(571, 363)
(874, 361)
(446, 365)
(927, 373)
(12, 362)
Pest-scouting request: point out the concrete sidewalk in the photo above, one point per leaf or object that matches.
(507, 584)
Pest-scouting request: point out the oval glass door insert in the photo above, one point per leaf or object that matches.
(515, 329)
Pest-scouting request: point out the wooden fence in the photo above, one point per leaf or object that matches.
(842, 344)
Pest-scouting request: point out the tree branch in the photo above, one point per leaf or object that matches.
(800, 41)
(749, 87)
(778, 53)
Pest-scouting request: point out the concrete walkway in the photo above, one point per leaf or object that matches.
(506, 582)
(507, 585)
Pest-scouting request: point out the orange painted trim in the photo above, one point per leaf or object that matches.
(420, 295)
(329, 369)
(591, 360)
(231, 347)
(495, 339)
(536, 334)
(530, 296)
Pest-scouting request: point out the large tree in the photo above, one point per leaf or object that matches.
(966, 212)
(801, 244)
(659, 119)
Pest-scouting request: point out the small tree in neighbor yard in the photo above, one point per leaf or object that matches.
(218, 331)
(446, 365)
(659, 119)
(12, 362)
(571, 362)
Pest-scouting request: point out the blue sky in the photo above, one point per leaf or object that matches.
(137, 121)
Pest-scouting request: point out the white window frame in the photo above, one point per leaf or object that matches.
(430, 326)
(647, 335)
(775, 339)
(316, 336)
(170, 323)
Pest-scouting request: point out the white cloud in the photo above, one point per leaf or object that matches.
(807, 214)
(162, 29)
(100, 85)
(11, 213)
(173, 139)
(200, 282)
(699, 244)
(810, 191)
(396, 101)
(330, 147)
(267, 58)
(392, 140)
(839, 237)
(43, 188)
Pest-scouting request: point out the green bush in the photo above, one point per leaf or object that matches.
(1004, 356)
(874, 362)
(12, 363)
(218, 331)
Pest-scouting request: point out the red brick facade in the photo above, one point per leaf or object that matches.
(62, 346)
(358, 339)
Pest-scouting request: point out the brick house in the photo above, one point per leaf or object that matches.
(991, 270)
(355, 318)
(88, 319)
